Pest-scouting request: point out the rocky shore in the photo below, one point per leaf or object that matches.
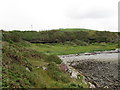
(101, 73)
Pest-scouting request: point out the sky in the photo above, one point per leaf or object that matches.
(54, 14)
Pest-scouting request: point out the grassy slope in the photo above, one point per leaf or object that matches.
(16, 58)
(75, 29)
(60, 49)
(64, 49)
(19, 56)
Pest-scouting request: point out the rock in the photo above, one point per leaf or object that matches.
(74, 74)
(73, 64)
(37, 67)
(44, 68)
(27, 69)
(106, 87)
(99, 73)
(117, 50)
(69, 71)
(91, 85)
(63, 67)
(87, 53)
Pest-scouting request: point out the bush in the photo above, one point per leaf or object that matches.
(22, 44)
(75, 85)
(79, 42)
(11, 36)
(70, 43)
(53, 58)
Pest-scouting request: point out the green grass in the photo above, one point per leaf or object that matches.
(15, 75)
(52, 77)
(60, 49)
(19, 56)
(75, 29)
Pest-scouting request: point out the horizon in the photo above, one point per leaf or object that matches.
(58, 29)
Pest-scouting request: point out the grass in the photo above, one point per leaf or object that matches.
(15, 75)
(75, 29)
(64, 49)
(18, 57)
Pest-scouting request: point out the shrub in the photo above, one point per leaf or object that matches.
(79, 42)
(53, 58)
(75, 85)
(15, 37)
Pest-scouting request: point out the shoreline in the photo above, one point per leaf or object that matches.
(98, 72)
(92, 53)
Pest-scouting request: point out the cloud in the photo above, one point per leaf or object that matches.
(90, 13)
(51, 14)
(98, 14)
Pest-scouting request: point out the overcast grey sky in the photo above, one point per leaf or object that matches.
(53, 14)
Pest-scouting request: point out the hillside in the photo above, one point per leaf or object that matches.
(62, 36)
(27, 68)
(74, 29)
(30, 61)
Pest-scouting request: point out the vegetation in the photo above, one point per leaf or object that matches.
(30, 61)
(23, 68)
(64, 49)
(79, 37)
